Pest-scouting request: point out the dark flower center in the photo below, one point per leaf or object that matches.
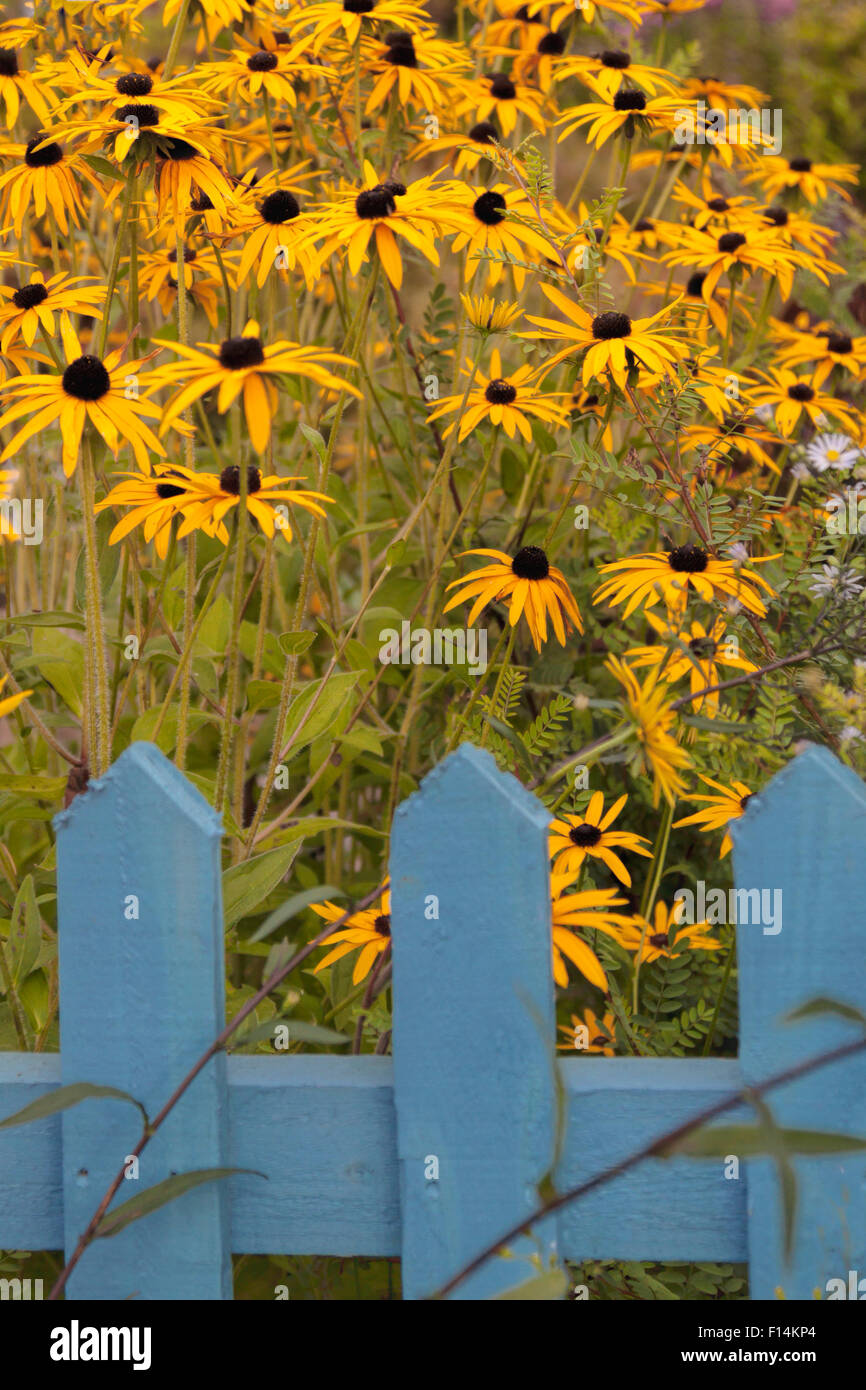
(401, 50)
(484, 133)
(42, 159)
(552, 44)
(230, 479)
(86, 379)
(280, 206)
(801, 392)
(490, 209)
(659, 939)
(644, 225)
(629, 100)
(688, 559)
(718, 204)
(359, 6)
(696, 284)
(730, 241)
(262, 62)
(167, 490)
(800, 166)
(611, 325)
(238, 353)
(134, 84)
(703, 646)
(839, 342)
(744, 801)
(530, 563)
(8, 62)
(375, 202)
(180, 149)
(615, 58)
(584, 836)
(201, 203)
(382, 924)
(778, 216)
(28, 296)
(143, 114)
(500, 392)
(502, 87)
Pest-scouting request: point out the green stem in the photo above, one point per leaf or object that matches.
(651, 890)
(116, 254)
(100, 751)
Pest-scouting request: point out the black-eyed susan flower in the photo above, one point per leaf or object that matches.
(557, 13)
(183, 175)
(269, 218)
(573, 837)
(11, 702)
(532, 585)
(421, 71)
(648, 708)
(739, 252)
(209, 497)
(47, 179)
(249, 72)
(17, 84)
(465, 152)
(503, 400)
(691, 650)
(670, 574)
(311, 25)
(719, 810)
(32, 306)
(664, 938)
(382, 212)
(499, 97)
(589, 1033)
(493, 232)
(613, 343)
(244, 367)
(614, 68)
(488, 315)
(791, 397)
(152, 499)
(814, 180)
(88, 389)
(368, 932)
(721, 95)
(177, 98)
(157, 278)
(826, 347)
(589, 908)
(627, 110)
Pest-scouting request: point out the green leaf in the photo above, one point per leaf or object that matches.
(55, 618)
(296, 643)
(314, 438)
(336, 691)
(65, 1097)
(247, 885)
(25, 931)
(820, 1005)
(292, 906)
(60, 661)
(33, 784)
(152, 1198)
(299, 1031)
(395, 552)
(750, 1141)
(97, 164)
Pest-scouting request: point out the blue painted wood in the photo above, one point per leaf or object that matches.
(805, 837)
(140, 1001)
(663, 1209)
(473, 1019)
(345, 1141)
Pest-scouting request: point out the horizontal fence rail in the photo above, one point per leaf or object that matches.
(432, 1154)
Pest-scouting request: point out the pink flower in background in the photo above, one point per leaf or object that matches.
(770, 9)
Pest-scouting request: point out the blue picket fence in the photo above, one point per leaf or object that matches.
(346, 1142)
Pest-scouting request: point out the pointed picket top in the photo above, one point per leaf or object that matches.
(143, 770)
(142, 996)
(802, 845)
(474, 1023)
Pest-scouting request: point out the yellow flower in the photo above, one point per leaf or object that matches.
(32, 306)
(626, 110)
(649, 710)
(814, 181)
(369, 930)
(656, 935)
(12, 701)
(572, 838)
(88, 389)
(719, 810)
(791, 397)
(485, 314)
(590, 908)
(693, 652)
(244, 367)
(588, 1033)
(669, 574)
(505, 401)
(612, 342)
(530, 582)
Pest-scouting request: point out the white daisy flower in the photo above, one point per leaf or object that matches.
(832, 451)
